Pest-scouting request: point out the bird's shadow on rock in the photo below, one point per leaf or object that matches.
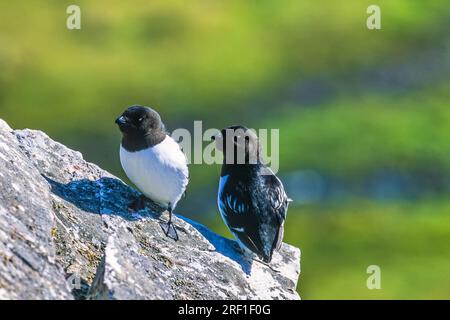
(112, 196)
(224, 246)
(102, 196)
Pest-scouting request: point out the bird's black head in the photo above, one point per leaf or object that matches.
(141, 127)
(139, 120)
(239, 145)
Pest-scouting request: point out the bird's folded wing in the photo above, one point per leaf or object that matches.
(239, 217)
(277, 196)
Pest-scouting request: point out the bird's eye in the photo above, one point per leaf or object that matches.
(140, 119)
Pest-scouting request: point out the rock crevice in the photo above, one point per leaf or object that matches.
(66, 233)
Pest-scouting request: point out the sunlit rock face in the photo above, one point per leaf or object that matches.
(66, 233)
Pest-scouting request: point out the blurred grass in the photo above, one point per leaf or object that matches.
(187, 61)
(301, 67)
(365, 133)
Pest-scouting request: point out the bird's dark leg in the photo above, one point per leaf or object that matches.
(168, 228)
(138, 204)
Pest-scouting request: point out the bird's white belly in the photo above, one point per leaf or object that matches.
(159, 172)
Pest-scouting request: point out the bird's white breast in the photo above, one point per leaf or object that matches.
(160, 172)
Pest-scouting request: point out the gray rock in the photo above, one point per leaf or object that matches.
(28, 268)
(66, 232)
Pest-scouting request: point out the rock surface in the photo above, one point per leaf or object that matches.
(66, 233)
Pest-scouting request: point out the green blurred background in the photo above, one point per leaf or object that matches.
(364, 116)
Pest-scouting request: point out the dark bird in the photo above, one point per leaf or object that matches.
(152, 160)
(251, 199)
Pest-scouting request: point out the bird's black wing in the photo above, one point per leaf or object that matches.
(237, 209)
(277, 196)
(277, 205)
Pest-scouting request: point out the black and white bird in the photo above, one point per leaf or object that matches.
(152, 160)
(251, 199)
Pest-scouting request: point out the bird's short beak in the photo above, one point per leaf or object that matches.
(121, 120)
